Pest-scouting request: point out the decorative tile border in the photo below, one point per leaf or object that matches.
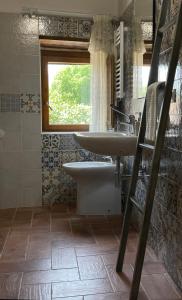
(69, 27)
(25, 103)
(147, 30)
(30, 103)
(50, 142)
(10, 103)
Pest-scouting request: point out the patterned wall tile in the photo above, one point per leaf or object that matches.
(67, 142)
(30, 103)
(165, 235)
(147, 30)
(66, 27)
(84, 155)
(67, 156)
(50, 142)
(10, 103)
(51, 159)
(167, 193)
(50, 185)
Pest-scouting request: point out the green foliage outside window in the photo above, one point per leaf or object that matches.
(69, 96)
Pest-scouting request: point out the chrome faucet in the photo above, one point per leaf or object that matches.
(130, 123)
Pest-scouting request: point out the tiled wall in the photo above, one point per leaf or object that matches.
(25, 180)
(166, 224)
(20, 149)
(58, 149)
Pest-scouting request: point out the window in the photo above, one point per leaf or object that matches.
(65, 90)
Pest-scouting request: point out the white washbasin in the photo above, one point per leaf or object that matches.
(107, 143)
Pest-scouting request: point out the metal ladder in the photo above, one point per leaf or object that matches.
(154, 149)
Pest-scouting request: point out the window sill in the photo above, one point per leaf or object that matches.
(60, 132)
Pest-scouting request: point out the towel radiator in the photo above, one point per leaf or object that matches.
(119, 60)
(154, 148)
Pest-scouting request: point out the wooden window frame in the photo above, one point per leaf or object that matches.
(65, 56)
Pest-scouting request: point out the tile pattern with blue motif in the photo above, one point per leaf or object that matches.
(165, 235)
(30, 103)
(57, 149)
(65, 27)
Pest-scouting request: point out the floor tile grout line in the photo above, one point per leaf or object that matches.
(50, 222)
(113, 288)
(28, 239)
(172, 284)
(21, 280)
(77, 264)
(4, 246)
(148, 296)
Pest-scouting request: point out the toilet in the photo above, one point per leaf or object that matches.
(96, 190)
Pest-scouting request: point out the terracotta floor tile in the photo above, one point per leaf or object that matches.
(39, 249)
(5, 224)
(78, 257)
(157, 287)
(38, 236)
(175, 288)
(91, 267)
(3, 237)
(63, 258)
(130, 257)
(10, 285)
(153, 268)
(132, 244)
(120, 282)
(80, 229)
(15, 247)
(35, 292)
(74, 241)
(7, 213)
(61, 208)
(23, 215)
(96, 250)
(41, 209)
(22, 226)
(103, 237)
(61, 215)
(79, 220)
(110, 258)
(115, 296)
(25, 266)
(115, 221)
(96, 220)
(80, 288)
(50, 276)
(70, 298)
(60, 225)
(41, 220)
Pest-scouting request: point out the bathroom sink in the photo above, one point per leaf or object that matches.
(107, 143)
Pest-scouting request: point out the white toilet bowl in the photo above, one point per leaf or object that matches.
(96, 190)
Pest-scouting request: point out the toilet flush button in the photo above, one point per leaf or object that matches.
(2, 133)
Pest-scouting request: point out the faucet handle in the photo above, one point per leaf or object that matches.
(132, 119)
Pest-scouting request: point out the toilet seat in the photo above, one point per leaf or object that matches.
(88, 167)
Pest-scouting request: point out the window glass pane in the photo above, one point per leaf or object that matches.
(69, 94)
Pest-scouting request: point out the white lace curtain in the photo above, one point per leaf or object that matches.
(101, 48)
(139, 50)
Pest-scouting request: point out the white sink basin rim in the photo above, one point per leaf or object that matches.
(107, 143)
